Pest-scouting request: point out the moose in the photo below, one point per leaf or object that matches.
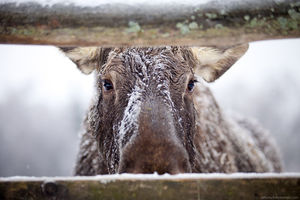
(153, 112)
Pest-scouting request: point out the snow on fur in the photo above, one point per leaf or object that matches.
(213, 141)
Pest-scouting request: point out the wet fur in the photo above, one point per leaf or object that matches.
(213, 141)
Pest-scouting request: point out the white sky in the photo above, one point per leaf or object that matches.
(45, 72)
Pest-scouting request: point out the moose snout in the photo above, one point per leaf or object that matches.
(162, 157)
(156, 146)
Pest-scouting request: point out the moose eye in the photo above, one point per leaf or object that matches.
(191, 85)
(107, 84)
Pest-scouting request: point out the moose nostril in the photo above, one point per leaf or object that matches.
(149, 164)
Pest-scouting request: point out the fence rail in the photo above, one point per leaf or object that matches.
(219, 23)
(192, 186)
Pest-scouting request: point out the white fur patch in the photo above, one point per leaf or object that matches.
(84, 58)
(207, 55)
(131, 114)
(213, 62)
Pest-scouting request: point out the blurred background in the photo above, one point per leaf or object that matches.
(43, 99)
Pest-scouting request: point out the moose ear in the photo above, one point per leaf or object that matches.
(211, 63)
(86, 58)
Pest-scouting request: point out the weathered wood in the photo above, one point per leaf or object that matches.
(170, 187)
(218, 23)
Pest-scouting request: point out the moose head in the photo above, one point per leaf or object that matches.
(148, 112)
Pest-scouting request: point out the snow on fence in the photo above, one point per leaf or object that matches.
(184, 186)
(132, 22)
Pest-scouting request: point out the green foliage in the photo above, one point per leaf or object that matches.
(134, 27)
(211, 15)
(183, 27)
(193, 25)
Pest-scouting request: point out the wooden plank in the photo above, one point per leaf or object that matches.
(170, 187)
(217, 23)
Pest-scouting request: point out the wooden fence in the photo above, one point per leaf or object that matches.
(217, 23)
(181, 187)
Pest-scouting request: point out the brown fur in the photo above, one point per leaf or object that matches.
(150, 121)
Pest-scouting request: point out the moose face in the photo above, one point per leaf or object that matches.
(144, 114)
(147, 106)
